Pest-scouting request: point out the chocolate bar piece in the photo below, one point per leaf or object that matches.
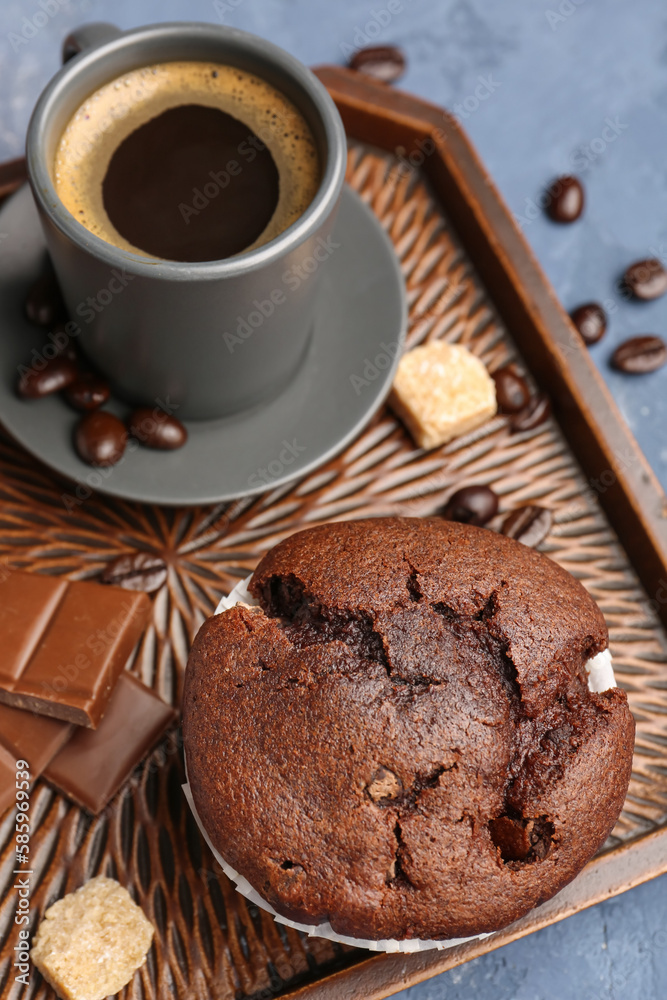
(7, 779)
(93, 765)
(30, 738)
(65, 644)
(33, 738)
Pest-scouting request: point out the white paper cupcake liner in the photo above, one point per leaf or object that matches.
(316, 930)
(600, 678)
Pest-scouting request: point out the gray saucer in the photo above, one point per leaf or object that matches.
(345, 376)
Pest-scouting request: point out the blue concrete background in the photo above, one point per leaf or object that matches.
(572, 86)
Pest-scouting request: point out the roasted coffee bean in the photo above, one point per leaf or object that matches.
(646, 279)
(157, 429)
(591, 322)
(382, 62)
(88, 392)
(44, 304)
(565, 199)
(100, 438)
(137, 571)
(530, 524)
(55, 375)
(512, 392)
(532, 415)
(639, 355)
(471, 505)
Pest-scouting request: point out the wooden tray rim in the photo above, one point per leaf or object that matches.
(641, 496)
(635, 503)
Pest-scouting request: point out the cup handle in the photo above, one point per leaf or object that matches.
(88, 36)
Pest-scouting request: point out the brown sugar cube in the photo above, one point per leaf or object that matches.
(441, 391)
(91, 942)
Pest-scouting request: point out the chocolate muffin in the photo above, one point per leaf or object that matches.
(401, 739)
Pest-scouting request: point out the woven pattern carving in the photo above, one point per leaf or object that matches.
(209, 942)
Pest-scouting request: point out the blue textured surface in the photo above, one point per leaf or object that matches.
(572, 86)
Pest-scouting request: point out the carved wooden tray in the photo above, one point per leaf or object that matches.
(471, 279)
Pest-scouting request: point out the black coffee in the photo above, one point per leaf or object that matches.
(187, 161)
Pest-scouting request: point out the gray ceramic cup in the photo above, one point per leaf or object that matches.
(211, 338)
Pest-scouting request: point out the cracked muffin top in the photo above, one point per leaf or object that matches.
(400, 739)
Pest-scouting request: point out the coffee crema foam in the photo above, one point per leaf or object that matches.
(123, 105)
